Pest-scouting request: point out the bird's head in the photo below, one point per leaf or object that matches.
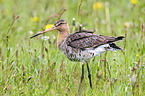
(60, 25)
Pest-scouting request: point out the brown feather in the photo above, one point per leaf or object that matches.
(86, 39)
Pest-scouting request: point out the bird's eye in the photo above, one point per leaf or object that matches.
(60, 24)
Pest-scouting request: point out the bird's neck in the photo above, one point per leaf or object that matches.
(63, 35)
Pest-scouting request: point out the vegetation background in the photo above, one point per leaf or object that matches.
(37, 67)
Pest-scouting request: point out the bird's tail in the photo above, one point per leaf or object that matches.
(119, 38)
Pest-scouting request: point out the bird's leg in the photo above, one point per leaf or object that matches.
(89, 75)
(82, 76)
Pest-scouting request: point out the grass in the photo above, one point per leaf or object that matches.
(38, 67)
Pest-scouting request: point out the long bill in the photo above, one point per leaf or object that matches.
(52, 28)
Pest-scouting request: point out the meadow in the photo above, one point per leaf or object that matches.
(37, 67)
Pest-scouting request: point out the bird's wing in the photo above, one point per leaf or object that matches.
(86, 39)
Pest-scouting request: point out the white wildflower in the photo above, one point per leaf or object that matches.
(74, 19)
(45, 37)
(53, 36)
(84, 28)
(31, 32)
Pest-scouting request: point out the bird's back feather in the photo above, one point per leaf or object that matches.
(86, 39)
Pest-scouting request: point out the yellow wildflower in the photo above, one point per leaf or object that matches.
(124, 24)
(97, 5)
(48, 26)
(0, 61)
(35, 19)
(137, 55)
(134, 1)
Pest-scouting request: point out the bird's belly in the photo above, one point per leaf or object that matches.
(79, 55)
(75, 54)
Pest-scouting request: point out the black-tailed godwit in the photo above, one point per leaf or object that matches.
(82, 45)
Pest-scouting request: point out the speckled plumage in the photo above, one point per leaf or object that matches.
(79, 46)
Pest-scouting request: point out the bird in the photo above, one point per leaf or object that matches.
(82, 45)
